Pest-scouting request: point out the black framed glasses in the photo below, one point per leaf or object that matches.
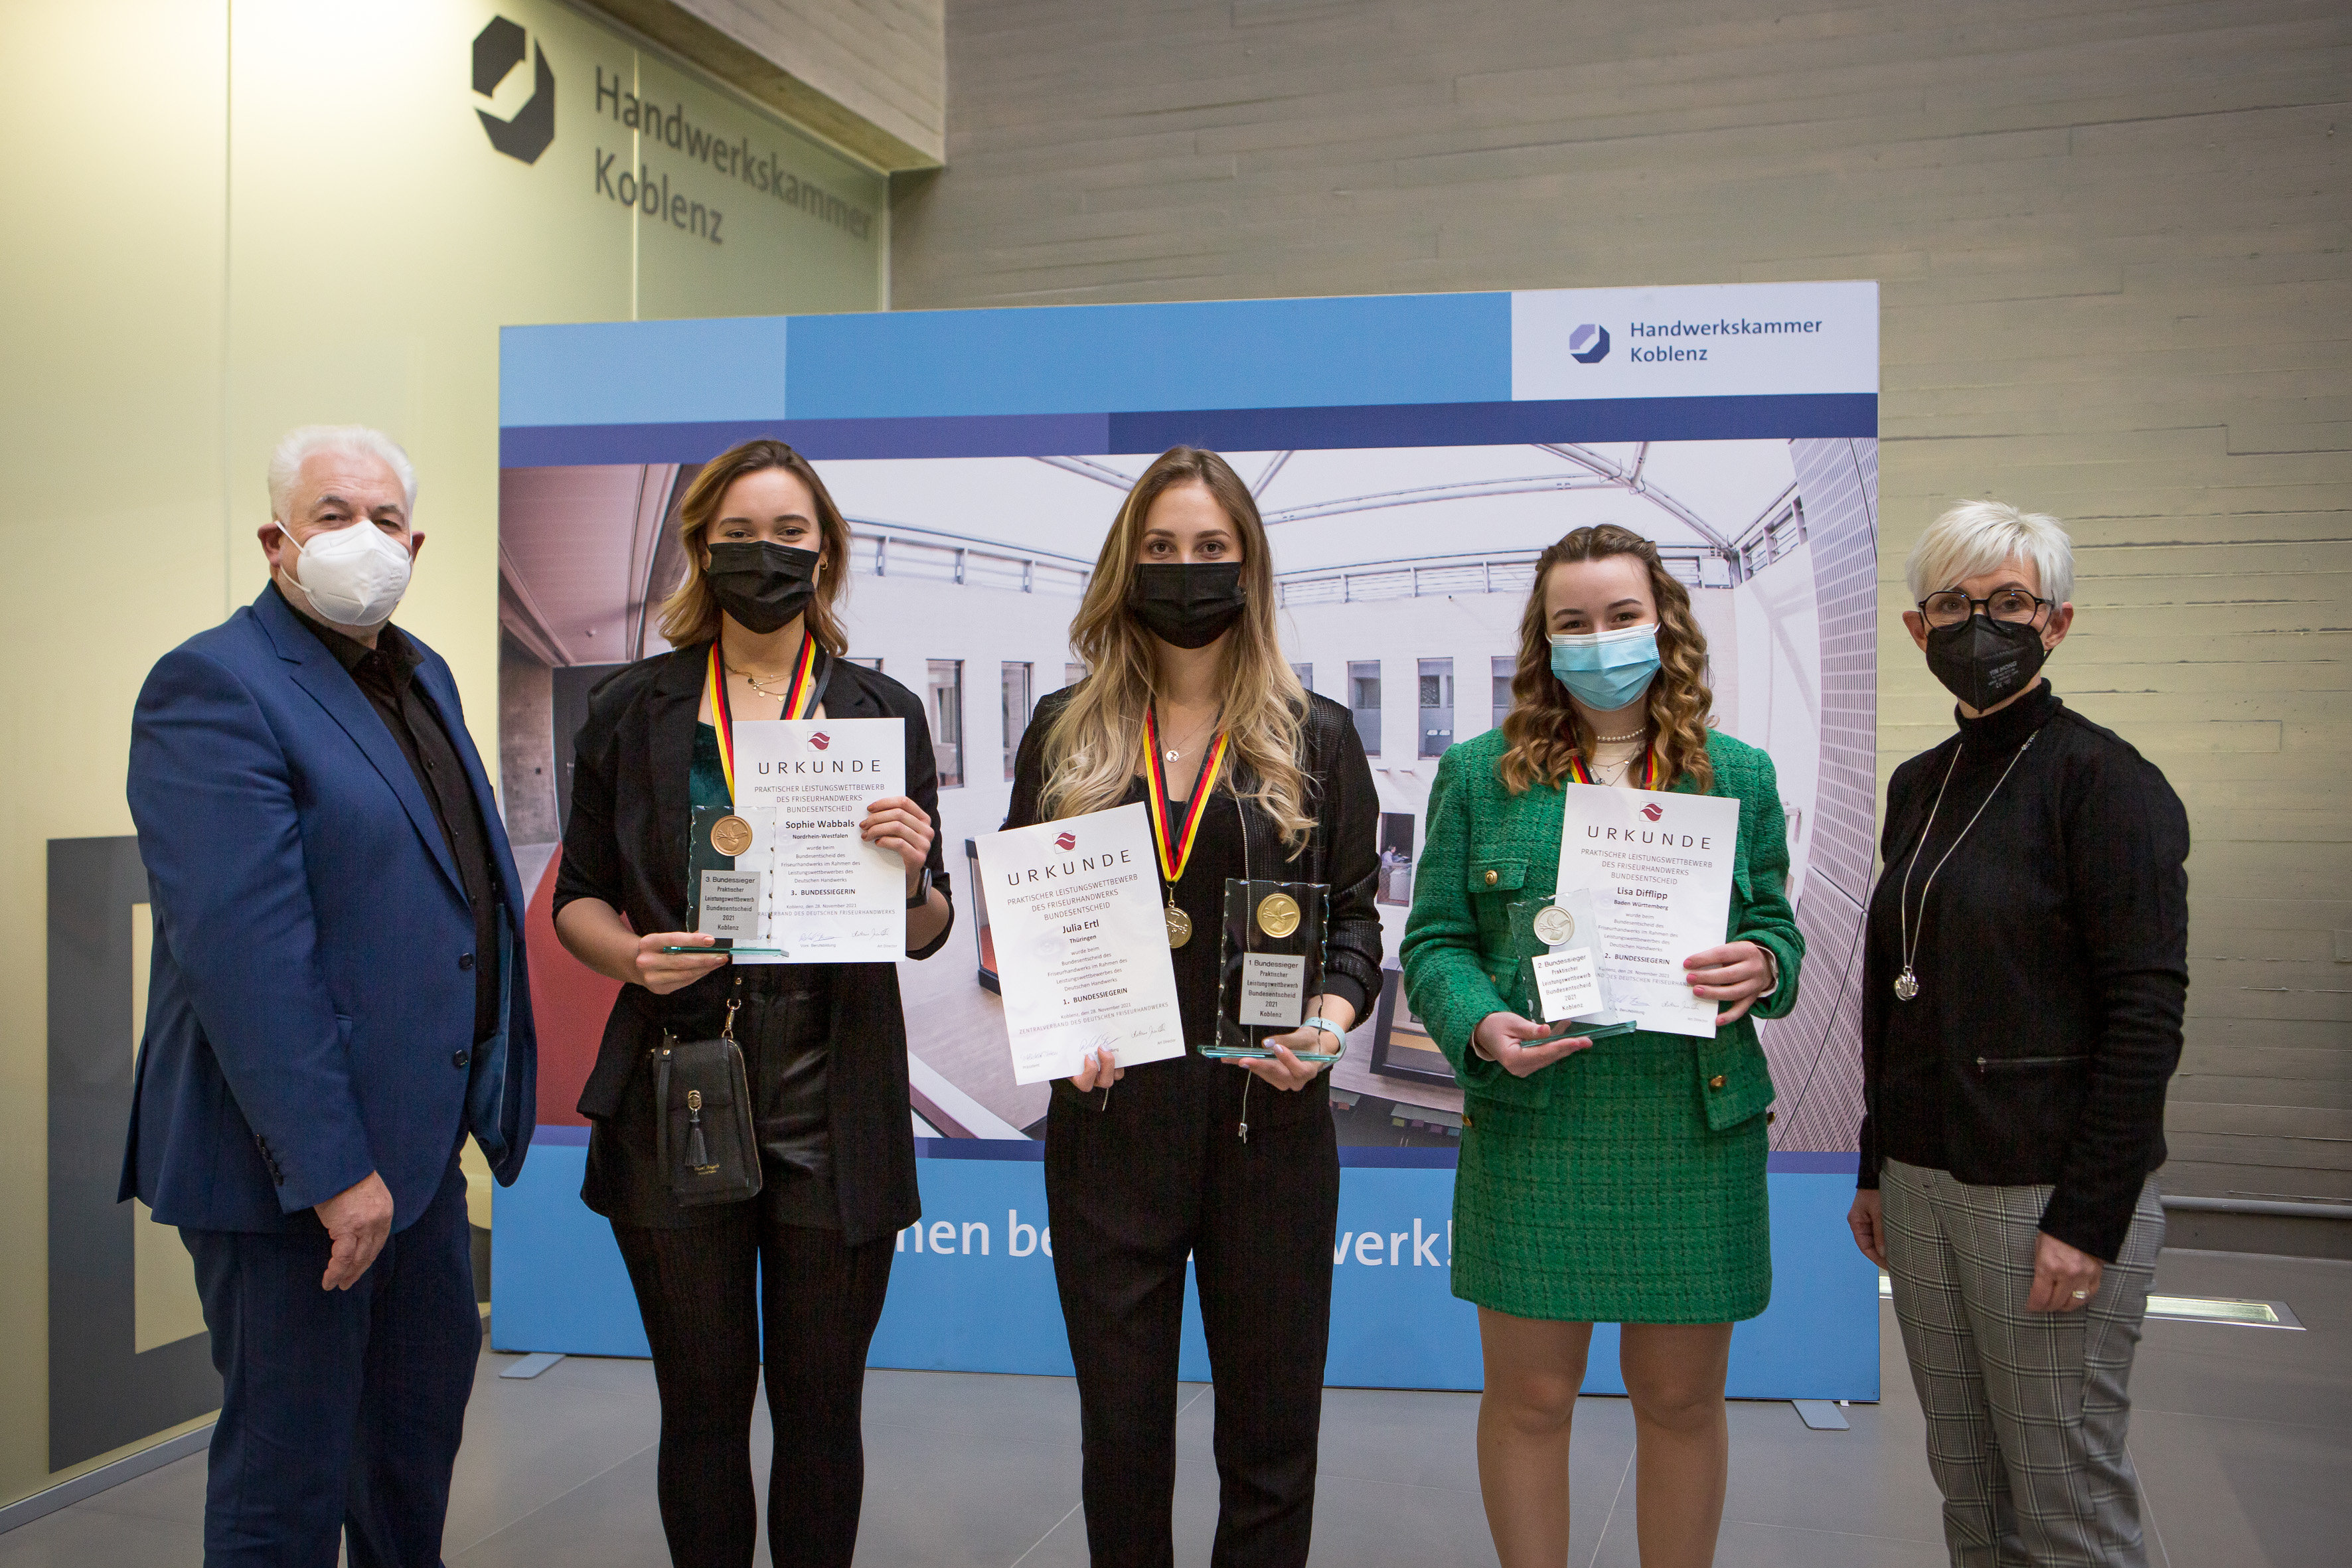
(1951, 607)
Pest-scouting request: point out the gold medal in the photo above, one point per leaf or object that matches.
(1278, 914)
(1180, 926)
(1554, 925)
(730, 835)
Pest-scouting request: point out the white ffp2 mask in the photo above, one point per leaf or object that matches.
(352, 575)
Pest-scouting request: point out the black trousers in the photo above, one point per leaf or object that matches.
(1133, 1187)
(706, 1293)
(340, 1410)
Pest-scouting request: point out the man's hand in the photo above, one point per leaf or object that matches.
(358, 1221)
(2064, 1278)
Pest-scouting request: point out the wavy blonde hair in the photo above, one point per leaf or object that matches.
(1544, 728)
(1095, 744)
(690, 615)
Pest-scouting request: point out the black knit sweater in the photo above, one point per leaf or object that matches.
(2052, 965)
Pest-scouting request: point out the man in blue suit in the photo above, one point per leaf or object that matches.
(337, 999)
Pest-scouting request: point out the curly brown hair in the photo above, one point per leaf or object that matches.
(1544, 730)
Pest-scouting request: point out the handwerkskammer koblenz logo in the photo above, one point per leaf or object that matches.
(1589, 344)
(498, 49)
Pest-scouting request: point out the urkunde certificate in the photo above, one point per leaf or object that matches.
(1659, 868)
(1081, 944)
(823, 894)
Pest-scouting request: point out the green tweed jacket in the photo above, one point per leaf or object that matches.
(1488, 848)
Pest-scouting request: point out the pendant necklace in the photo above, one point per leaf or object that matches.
(1907, 984)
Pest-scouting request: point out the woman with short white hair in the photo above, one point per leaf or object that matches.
(2025, 972)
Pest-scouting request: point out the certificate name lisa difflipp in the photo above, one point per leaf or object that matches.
(826, 896)
(1659, 868)
(1081, 945)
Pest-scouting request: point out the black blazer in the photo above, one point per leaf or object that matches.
(627, 844)
(2054, 971)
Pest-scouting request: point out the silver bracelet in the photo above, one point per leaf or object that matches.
(1318, 1021)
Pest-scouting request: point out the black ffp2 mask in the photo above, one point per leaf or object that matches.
(1188, 605)
(1984, 662)
(763, 585)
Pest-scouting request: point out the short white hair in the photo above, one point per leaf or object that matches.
(286, 461)
(1980, 536)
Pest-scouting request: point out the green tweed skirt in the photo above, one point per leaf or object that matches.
(1616, 1202)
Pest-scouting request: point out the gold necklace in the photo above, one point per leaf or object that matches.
(752, 680)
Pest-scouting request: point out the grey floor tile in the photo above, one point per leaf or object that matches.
(1391, 1524)
(979, 1405)
(613, 1522)
(956, 1499)
(84, 1537)
(1785, 1475)
(529, 1442)
(2231, 1492)
(1744, 1545)
(174, 1491)
(1401, 1437)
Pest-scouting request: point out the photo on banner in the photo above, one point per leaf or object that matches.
(1401, 573)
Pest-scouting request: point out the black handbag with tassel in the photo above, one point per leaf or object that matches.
(704, 1137)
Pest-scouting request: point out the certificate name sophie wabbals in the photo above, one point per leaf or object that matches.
(1659, 867)
(1082, 956)
(825, 894)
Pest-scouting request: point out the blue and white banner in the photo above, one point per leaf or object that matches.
(1411, 456)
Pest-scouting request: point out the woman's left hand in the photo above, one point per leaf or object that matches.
(900, 825)
(1737, 972)
(2064, 1278)
(1282, 1069)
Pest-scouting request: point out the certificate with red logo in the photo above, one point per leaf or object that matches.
(812, 891)
(1082, 954)
(1658, 866)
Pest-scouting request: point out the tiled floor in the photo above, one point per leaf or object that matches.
(2244, 1438)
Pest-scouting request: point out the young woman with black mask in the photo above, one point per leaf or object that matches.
(756, 636)
(1188, 708)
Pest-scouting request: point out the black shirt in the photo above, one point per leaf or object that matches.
(2052, 965)
(386, 673)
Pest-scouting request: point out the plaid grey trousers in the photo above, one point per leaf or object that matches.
(2026, 1411)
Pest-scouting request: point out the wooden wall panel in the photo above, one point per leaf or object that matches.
(2115, 247)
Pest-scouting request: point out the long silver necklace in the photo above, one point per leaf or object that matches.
(1907, 984)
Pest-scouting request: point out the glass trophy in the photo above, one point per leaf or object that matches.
(726, 891)
(1557, 980)
(1269, 965)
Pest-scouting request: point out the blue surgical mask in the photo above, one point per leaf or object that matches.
(1607, 670)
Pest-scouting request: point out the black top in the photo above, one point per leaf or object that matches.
(625, 843)
(387, 674)
(2052, 968)
(1340, 851)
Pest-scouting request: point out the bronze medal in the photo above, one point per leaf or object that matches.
(1180, 926)
(730, 835)
(1554, 925)
(1278, 914)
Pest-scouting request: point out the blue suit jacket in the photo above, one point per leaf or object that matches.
(311, 1010)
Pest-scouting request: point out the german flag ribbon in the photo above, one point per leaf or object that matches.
(714, 690)
(798, 702)
(1171, 839)
(1652, 769)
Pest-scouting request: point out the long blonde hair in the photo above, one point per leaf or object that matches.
(690, 615)
(1095, 742)
(1544, 728)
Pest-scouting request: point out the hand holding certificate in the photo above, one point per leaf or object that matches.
(1658, 866)
(1082, 955)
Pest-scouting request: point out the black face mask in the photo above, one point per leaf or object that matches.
(763, 584)
(1188, 605)
(1982, 661)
